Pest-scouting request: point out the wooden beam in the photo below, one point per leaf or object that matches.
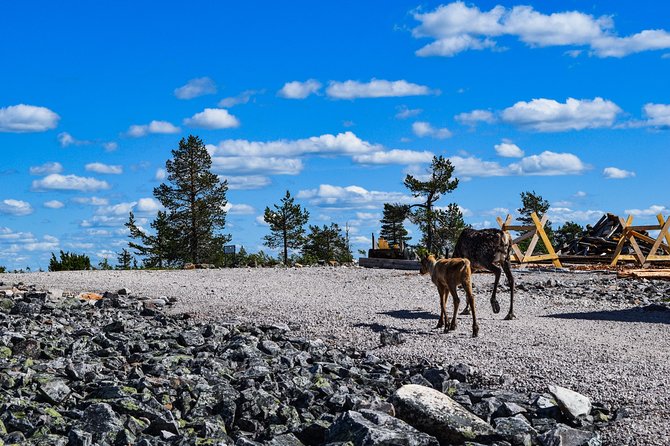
(547, 244)
(622, 240)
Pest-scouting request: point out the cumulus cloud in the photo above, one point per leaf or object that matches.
(65, 140)
(110, 146)
(241, 98)
(160, 174)
(404, 112)
(614, 173)
(457, 27)
(24, 118)
(104, 168)
(548, 115)
(475, 116)
(239, 209)
(92, 201)
(15, 207)
(508, 150)
(246, 182)
(654, 209)
(422, 129)
(54, 204)
(351, 197)
(15, 242)
(148, 205)
(196, 87)
(343, 143)
(212, 118)
(57, 181)
(376, 88)
(299, 90)
(658, 115)
(394, 156)
(46, 168)
(162, 127)
(560, 214)
(253, 164)
(545, 164)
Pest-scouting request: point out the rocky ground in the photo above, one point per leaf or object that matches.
(590, 332)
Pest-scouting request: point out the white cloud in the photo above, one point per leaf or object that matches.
(580, 194)
(104, 168)
(658, 115)
(242, 182)
(559, 215)
(422, 129)
(343, 143)
(92, 201)
(549, 163)
(467, 167)
(241, 98)
(53, 204)
(508, 150)
(148, 205)
(196, 87)
(110, 146)
(651, 210)
(239, 209)
(162, 127)
(24, 118)
(160, 175)
(457, 27)
(548, 115)
(475, 116)
(376, 88)
(614, 173)
(351, 197)
(46, 168)
(15, 207)
(404, 112)
(212, 118)
(65, 139)
(57, 181)
(394, 156)
(299, 90)
(254, 164)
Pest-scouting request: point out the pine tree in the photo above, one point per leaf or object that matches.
(124, 259)
(393, 227)
(439, 183)
(532, 202)
(194, 199)
(157, 250)
(286, 225)
(450, 224)
(326, 243)
(566, 233)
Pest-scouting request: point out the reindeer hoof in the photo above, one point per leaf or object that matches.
(439, 325)
(466, 311)
(510, 316)
(495, 306)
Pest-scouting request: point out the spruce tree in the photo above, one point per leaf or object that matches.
(157, 250)
(326, 243)
(124, 259)
(438, 183)
(450, 224)
(194, 199)
(532, 202)
(393, 226)
(286, 225)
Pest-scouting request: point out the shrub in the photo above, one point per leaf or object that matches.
(69, 262)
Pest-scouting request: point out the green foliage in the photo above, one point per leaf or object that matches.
(449, 225)
(69, 262)
(532, 202)
(286, 225)
(195, 201)
(326, 243)
(567, 232)
(158, 250)
(3, 269)
(104, 264)
(438, 184)
(393, 226)
(124, 259)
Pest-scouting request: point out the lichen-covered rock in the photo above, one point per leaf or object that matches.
(563, 435)
(369, 428)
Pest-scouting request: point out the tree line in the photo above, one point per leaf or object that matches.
(190, 228)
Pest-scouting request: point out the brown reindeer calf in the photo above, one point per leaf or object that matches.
(447, 274)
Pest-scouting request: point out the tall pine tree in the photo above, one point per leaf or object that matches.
(157, 250)
(286, 222)
(450, 224)
(194, 198)
(393, 226)
(439, 182)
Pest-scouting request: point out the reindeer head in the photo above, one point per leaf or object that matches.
(426, 259)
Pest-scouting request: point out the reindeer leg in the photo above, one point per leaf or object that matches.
(494, 302)
(467, 286)
(445, 298)
(457, 302)
(510, 279)
(441, 323)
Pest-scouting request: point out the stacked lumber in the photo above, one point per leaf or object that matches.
(662, 274)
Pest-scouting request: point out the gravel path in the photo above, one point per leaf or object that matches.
(584, 331)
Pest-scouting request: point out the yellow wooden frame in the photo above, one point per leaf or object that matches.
(535, 232)
(630, 233)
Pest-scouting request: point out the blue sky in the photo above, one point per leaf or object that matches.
(334, 101)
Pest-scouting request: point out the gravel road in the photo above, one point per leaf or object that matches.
(584, 331)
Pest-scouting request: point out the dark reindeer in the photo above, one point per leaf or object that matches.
(488, 249)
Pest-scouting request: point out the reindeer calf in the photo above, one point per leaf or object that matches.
(447, 274)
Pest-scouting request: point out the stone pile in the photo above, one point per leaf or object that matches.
(113, 369)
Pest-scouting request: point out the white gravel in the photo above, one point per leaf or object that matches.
(610, 351)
